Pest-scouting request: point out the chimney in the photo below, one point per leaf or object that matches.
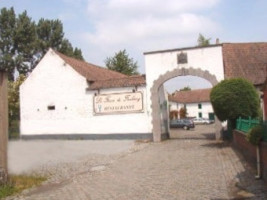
(217, 41)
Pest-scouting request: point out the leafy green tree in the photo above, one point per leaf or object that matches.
(233, 98)
(187, 88)
(50, 34)
(13, 98)
(202, 41)
(77, 53)
(7, 51)
(122, 63)
(23, 43)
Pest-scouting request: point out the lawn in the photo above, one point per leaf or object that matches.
(18, 183)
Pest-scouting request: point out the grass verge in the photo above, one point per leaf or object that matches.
(18, 183)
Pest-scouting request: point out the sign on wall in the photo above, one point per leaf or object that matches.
(118, 103)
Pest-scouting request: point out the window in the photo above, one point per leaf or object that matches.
(51, 107)
(199, 106)
(200, 115)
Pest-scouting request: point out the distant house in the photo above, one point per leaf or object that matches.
(196, 102)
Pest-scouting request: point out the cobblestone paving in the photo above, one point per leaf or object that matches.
(190, 166)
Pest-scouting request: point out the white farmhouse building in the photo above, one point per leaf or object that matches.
(65, 97)
(196, 102)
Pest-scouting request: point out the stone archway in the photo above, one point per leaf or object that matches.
(157, 135)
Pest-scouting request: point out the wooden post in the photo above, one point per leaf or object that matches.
(3, 127)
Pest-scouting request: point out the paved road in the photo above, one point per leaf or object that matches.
(191, 166)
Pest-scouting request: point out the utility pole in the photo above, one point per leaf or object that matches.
(3, 127)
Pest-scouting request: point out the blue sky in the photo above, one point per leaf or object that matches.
(102, 27)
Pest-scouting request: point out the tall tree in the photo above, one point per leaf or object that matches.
(49, 33)
(13, 98)
(7, 51)
(66, 48)
(202, 41)
(23, 43)
(77, 53)
(122, 63)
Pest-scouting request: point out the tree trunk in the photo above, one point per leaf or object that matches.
(3, 127)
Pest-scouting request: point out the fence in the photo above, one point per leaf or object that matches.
(245, 125)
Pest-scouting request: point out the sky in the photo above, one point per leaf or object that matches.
(100, 28)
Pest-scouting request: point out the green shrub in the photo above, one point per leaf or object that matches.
(233, 98)
(255, 135)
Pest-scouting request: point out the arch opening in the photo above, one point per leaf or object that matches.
(158, 134)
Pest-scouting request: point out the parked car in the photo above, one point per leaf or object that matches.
(182, 123)
(203, 121)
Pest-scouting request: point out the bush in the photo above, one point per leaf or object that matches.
(255, 135)
(233, 98)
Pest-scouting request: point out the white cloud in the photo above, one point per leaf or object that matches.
(141, 25)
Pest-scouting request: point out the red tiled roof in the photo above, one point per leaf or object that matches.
(89, 71)
(246, 60)
(192, 96)
(100, 77)
(119, 82)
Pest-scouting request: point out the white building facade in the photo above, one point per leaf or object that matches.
(56, 100)
(67, 97)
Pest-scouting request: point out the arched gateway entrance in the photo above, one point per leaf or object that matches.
(157, 134)
(204, 62)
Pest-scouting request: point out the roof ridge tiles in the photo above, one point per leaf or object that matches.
(90, 71)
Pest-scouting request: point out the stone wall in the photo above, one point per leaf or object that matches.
(249, 152)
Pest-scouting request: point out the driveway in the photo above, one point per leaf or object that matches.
(191, 166)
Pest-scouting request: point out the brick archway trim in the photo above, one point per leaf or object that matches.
(157, 135)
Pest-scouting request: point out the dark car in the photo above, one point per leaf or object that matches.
(182, 123)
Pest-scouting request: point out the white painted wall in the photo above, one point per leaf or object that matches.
(208, 58)
(54, 82)
(174, 106)
(193, 110)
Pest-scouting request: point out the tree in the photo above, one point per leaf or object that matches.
(13, 97)
(14, 105)
(122, 63)
(187, 88)
(202, 41)
(183, 112)
(233, 98)
(23, 43)
(7, 27)
(49, 34)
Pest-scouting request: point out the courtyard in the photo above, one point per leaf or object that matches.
(191, 165)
